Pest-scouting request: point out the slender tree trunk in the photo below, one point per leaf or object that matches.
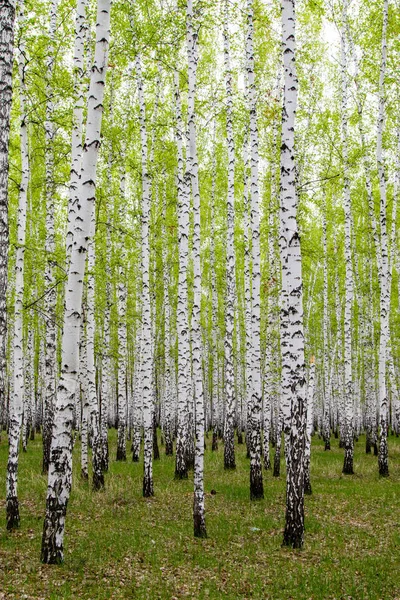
(348, 378)
(192, 173)
(309, 425)
(229, 449)
(51, 296)
(182, 314)
(256, 480)
(293, 361)
(98, 474)
(383, 463)
(147, 352)
(7, 21)
(16, 403)
(60, 468)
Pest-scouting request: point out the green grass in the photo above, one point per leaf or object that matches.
(119, 545)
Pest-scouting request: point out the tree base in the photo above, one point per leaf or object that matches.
(148, 490)
(327, 444)
(84, 475)
(199, 523)
(98, 481)
(214, 445)
(121, 454)
(348, 463)
(12, 512)
(181, 474)
(293, 539)
(256, 483)
(277, 465)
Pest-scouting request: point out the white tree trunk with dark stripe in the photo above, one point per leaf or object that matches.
(147, 351)
(347, 428)
(383, 463)
(17, 395)
(60, 468)
(293, 360)
(256, 481)
(193, 173)
(7, 22)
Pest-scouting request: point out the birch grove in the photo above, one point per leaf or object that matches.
(199, 247)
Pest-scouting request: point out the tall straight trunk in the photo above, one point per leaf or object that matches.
(83, 396)
(256, 480)
(81, 28)
(16, 400)
(169, 366)
(147, 352)
(348, 377)
(294, 359)
(137, 396)
(7, 22)
(122, 328)
(51, 296)
(192, 171)
(182, 311)
(60, 468)
(383, 463)
(98, 476)
(229, 449)
(214, 342)
(309, 426)
(326, 387)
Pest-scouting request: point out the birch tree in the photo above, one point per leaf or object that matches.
(60, 467)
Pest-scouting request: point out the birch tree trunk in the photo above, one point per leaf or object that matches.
(383, 463)
(309, 426)
(60, 468)
(327, 403)
(293, 361)
(7, 21)
(192, 171)
(348, 378)
(147, 351)
(51, 295)
(256, 481)
(229, 449)
(182, 311)
(98, 476)
(16, 400)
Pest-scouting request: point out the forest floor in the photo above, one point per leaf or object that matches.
(119, 545)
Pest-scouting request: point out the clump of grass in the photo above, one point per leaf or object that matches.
(119, 545)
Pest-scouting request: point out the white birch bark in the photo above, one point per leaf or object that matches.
(293, 361)
(7, 22)
(192, 171)
(309, 427)
(182, 311)
(84, 398)
(93, 420)
(256, 482)
(347, 428)
(17, 396)
(122, 333)
(146, 354)
(326, 386)
(216, 417)
(383, 464)
(229, 448)
(77, 119)
(60, 468)
(51, 295)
